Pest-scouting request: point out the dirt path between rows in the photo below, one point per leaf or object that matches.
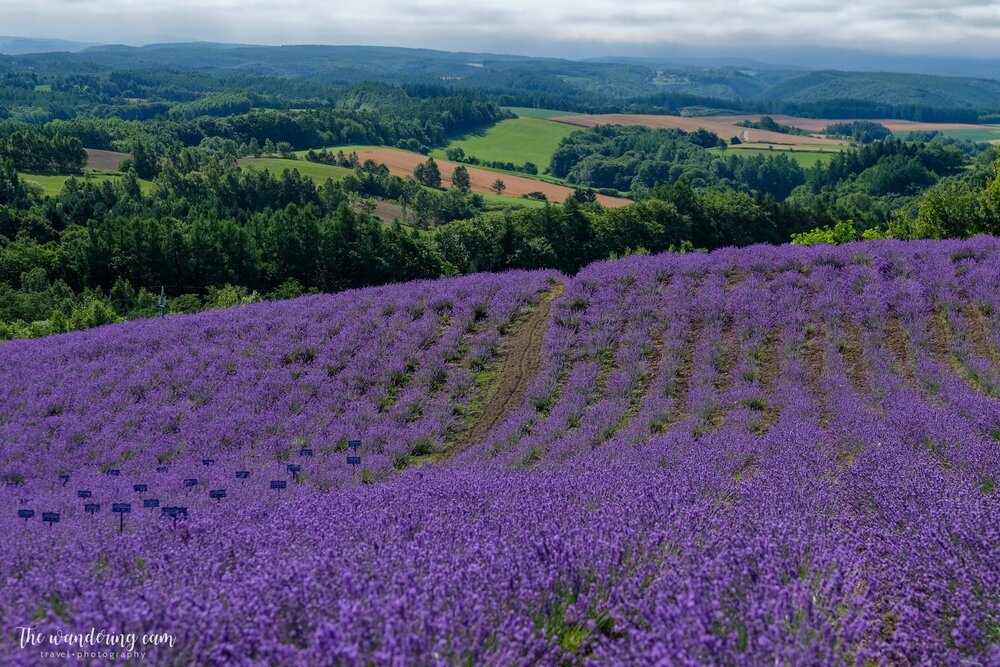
(519, 365)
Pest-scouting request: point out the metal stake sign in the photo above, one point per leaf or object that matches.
(121, 509)
(174, 512)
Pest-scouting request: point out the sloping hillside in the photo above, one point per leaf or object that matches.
(759, 455)
(888, 88)
(391, 366)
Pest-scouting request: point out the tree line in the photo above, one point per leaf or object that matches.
(214, 234)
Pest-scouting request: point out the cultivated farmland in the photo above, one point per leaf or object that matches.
(52, 184)
(806, 155)
(546, 114)
(105, 160)
(517, 141)
(896, 126)
(723, 126)
(102, 166)
(319, 173)
(728, 126)
(402, 163)
(776, 454)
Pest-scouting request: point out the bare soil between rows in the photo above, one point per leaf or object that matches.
(519, 366)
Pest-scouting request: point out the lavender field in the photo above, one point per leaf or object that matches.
(775, 455)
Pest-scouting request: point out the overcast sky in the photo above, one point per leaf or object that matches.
(554, 27)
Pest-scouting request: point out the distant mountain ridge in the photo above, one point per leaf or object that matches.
(14, 46)
(887, 87)
(609, 80)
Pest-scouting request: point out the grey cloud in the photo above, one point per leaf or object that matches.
(900, 24)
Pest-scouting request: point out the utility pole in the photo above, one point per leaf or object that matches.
(163, 302)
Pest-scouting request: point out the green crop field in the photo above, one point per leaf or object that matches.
(986, 133)
(348, 149)
(544, 114)
(813, 148)
(52, 184)
(805, 155)
(519, 140)
(314, 170)
(494, 202)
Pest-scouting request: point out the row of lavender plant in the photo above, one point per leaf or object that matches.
(930, 445)
(248, 389)
(755, 456)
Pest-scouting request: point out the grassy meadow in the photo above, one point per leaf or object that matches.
(986, 133)
(314, 170)
(544, 114)
(806, 155)
(52, 184)
(518, 140)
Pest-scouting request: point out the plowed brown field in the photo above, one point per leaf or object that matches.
(402, 163)
(724, 126)
(820, 124)
(727, 126)
(105, 160)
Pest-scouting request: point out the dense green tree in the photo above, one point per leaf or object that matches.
(861, 131)
(11, 188)
(460, 178)
(144, 162)
(989, 200)
(950, 209)
(122, 297)
(428, 173)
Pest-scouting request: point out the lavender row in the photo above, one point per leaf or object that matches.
(748, 457)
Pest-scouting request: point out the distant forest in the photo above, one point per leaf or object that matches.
(187, 81)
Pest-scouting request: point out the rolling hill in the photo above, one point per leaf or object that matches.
(887, 88)
(594, 83)
(775, 453)
(21, 45)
